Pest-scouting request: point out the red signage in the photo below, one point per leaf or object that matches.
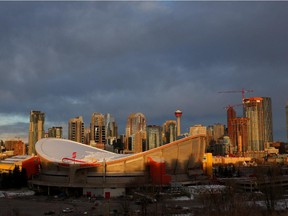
(74, 155)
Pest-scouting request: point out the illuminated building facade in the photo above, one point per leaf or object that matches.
(87, 135)
(198, 130)
(268, 123)
(259, 112)
(209, 135)
(103, 170)
(97, 131)
(231, 114)
(218, 131)
(111, 129)
(36, 130)
(239, 135)
(76, 129)
(135, 133)
(17, 146)
(55, 132)
(154, 136)
(169, 131)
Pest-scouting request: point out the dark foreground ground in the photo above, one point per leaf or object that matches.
(37, 205)
(44, 205)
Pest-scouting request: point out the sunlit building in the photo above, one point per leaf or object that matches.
(55, 132)
(76, 129)
(97, 130)
(209, 135)
(239, 135)
(36, 130)
(268, 122)
(135, 132)
(169, 131)
(87, 135)
(237, 132)
(218, 131)
(231, 114)
(259, 112)
(17, 146)
(154, 136)
(111, 129)
(198, 130)
(80, 168)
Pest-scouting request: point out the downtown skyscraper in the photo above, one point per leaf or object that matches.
(111, 128)
(55, 132)
(238, 130)
(76, 129)
(154, 136)
(97, 130)
(36, 130)
(103, 130)
(169, 131)
(268, 122)
(135, 133)
(258, 110)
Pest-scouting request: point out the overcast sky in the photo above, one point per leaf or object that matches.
(75, 58)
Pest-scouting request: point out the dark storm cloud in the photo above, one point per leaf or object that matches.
(75, 58)
(12, 131)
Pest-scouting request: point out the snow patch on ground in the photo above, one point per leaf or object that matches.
(181, 198)
(17, 193)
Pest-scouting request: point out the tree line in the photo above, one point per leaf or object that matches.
(14, 179)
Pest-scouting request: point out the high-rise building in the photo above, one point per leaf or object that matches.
(87, 135)
(97, 130)
(36, 130)
(259, 112)
(218, 131)
(169, 131)
(198, 130)
(76, 129)
(135, 132)
(231, 114)
(154, 136)
(268, 122)
(17, 146)
(209, 135)
(55, 132)
(239, 135)
(111, 129)
(213, 133)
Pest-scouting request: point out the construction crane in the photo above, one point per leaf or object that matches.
(243, 91)
(232, 106)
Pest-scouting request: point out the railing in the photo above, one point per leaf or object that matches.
(66, 163)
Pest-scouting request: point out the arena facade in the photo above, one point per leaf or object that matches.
(67, 164)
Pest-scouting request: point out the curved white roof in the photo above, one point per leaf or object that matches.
(56, 150)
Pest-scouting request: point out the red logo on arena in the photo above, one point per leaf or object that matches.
(74, 155)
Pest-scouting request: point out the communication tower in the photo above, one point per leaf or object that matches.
(178, 114)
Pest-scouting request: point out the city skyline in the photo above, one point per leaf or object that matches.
(74, 58)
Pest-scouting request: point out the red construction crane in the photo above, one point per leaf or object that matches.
(234, 105)
(243, 91)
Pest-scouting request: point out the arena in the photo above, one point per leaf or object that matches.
(70, 165)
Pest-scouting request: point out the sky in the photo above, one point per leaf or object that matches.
(68, 59)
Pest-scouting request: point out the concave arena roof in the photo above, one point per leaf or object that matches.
(57, 150)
